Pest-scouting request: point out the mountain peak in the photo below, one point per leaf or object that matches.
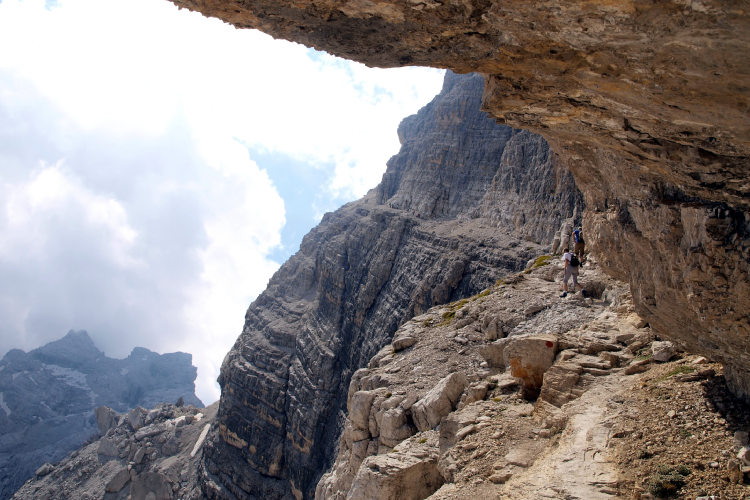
(74, 349)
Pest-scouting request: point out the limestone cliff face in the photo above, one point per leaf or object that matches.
(646, 102)
(416, 240)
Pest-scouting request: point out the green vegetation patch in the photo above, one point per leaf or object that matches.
(668, 480)
(540, 261)
(677, 370)
(447, 317)
(459, 304)
(644, 353)
(451, 312)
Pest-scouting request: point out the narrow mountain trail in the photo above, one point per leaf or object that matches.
(579, 467)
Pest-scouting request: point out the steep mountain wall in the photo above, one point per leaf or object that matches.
(48, 396)
(449, 219)
(646, 103)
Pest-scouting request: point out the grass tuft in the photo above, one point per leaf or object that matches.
(677, 370)
(540, 261)
(668, 480)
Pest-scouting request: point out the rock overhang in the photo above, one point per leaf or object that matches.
(646, 102)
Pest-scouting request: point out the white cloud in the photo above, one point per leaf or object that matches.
(130, 206)
(53, 197)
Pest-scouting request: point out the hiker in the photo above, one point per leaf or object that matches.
(579, 243)
(571, 269)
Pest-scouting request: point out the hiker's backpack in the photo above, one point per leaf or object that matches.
(574, 262)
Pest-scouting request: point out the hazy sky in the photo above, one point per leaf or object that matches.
(156, 167)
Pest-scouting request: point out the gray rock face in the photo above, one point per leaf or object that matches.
(48, 397)
(161, 466)
(465, 202)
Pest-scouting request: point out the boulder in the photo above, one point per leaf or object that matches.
(359, 409)
(439, 402)
(638, 366)
(106, 418)
(138, 456)
(501, 476)
(533, 309)
(529, 357)
(401, 343)
(475, 392)
(108, 447)
(397, 476)
(491, 329)
(493, 352)
(149, 431)
(394, 427)
(521, 457)
(452, 426)
(151, 485)
(662, 351)
(119, 481)
(136, 418)
(558, 382)
(44, 469)
(550, 415)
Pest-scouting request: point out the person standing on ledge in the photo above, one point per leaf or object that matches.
(571, 269)
(580, 245)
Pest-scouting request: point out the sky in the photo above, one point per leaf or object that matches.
(156, 168)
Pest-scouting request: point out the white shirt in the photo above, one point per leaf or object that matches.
(567, 256)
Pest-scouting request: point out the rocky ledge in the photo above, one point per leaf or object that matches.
(142, 454)
(518, 393)
(646, 103)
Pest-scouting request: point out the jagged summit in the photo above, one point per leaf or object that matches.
(75, 349)
(501, 174)
(48, 396)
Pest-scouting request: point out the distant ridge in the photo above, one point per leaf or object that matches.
(48, 397)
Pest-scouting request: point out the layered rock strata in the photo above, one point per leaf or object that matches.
(646, 102)
(48, 396)
(447, 221)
